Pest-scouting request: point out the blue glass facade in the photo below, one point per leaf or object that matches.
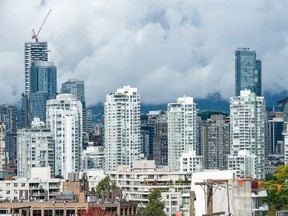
(248, 72)
(43, 87)
(75, 87)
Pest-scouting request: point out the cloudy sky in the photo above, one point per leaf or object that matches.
(164, 48)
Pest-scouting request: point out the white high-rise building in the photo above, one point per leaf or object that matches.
(35, 148)
(285, 134)
(64, 119)
(247, 129)
(181, 130)
(122, 128)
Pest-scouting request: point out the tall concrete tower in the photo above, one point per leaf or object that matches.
(77, 87)
(64, 119)
(36, 148)
(247, 132)
(122, 128)
(181, 130)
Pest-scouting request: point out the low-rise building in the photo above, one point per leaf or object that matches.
(72, 200)
(137, 183)
(94, 176)
(40, 187)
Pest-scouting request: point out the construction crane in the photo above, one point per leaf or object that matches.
(34, 35)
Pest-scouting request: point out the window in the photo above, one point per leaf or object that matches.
(174, 203)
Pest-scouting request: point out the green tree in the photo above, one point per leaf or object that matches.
(103, 185)
(271, 211)
(155, 205)
(278, 198)
(180, 181)
(187, 181)
(269, 177)
(170, 182)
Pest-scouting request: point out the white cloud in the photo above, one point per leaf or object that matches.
(164, 48)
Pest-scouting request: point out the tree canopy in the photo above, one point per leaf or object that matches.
(103, 185)
(277, 188)
(155, 204)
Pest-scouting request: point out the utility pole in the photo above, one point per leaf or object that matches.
(209, 198)
(209, 194)
(192, 207)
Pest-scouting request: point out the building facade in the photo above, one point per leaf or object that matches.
(43, 87)
(39, 187)
(137, 183)
(248, 72)
(122, 127)
(247, 128)
(2, 146)
(33, 51)
(64, 118)
(76, 87)
(25, 111)
(160, 140)
(93, 158)
(147, 138)
(182, 117)
(35, 148)
(190, 162)
(216, 142)
(275, 136)
(8, 117)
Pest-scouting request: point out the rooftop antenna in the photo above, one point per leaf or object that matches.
(34, 35)
(243, 48)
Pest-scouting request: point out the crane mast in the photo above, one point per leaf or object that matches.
(34, 35)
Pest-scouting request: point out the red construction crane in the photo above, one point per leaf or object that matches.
(34, 35)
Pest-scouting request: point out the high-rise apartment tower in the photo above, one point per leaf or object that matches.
(64, 119)
(216, 142)
(247, 131)
(77, 87)
(36, 148)
(122, 128)
(181, 130)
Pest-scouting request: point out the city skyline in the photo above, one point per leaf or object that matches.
(189, 46)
